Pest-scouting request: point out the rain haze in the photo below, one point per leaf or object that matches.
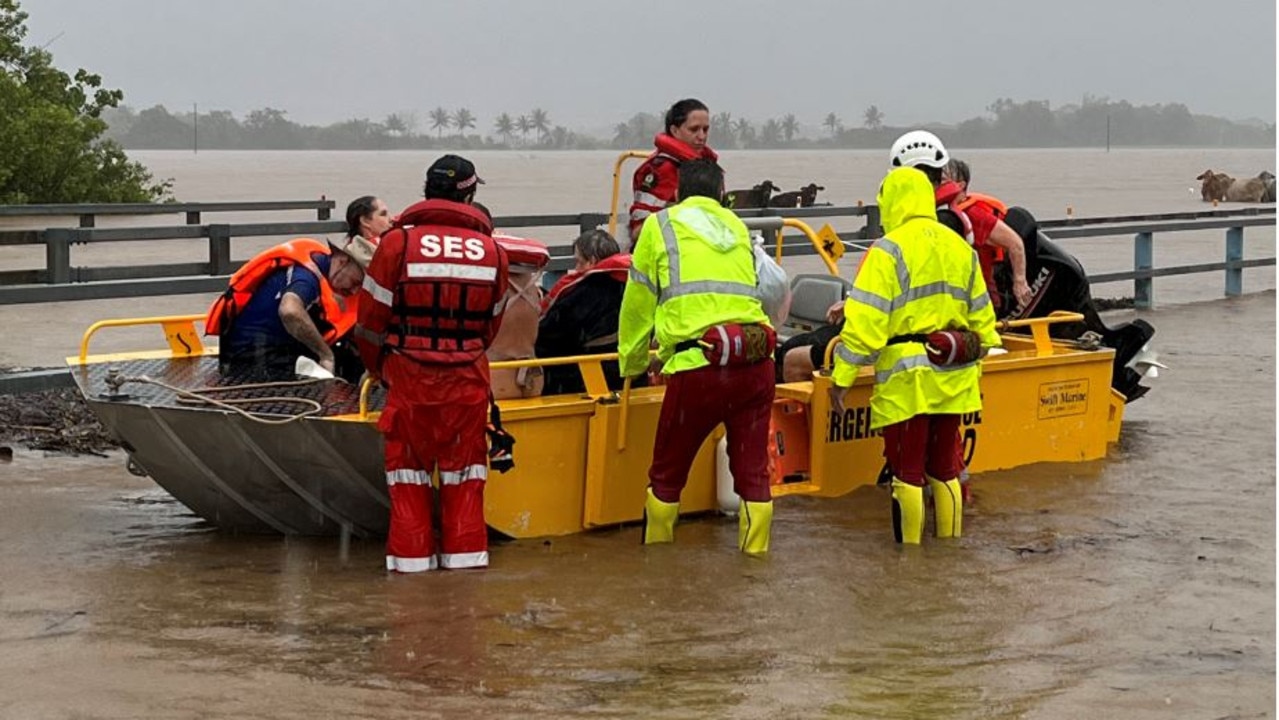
(591, 64)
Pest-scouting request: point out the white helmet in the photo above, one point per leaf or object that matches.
(919, 147)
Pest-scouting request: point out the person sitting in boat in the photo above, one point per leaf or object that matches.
(579, 314)
(431, 304)
(367, 217)
(517, 339)
(656, 180)
(285, 303)
(993, 239)
(975, 222)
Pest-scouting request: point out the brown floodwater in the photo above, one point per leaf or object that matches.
(1138, 586)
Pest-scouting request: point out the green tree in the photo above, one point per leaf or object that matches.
(540, 121)
(463, 120)
(722, 130)
(873, 118)
(440, 121)
(832, 123)
(770, 133)
(790, 127)
(504, 126)
(745, 132)
(524, 125)
(51, 130)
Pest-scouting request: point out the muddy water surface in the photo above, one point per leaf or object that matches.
(1140, 586)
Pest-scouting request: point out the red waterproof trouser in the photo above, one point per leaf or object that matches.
(924, 444)
(740, 397)
(422, 437)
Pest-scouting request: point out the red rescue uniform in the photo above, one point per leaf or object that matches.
(656, 182)
(430, 306)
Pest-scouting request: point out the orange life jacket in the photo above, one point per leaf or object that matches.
(245, 281)
(995, 205)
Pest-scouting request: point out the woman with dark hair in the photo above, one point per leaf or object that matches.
(367, 217)
(579, 314)
(684, 138)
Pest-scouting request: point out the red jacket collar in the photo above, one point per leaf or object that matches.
(447, 213)
(681, 150)
(948, 191)
(616, 266)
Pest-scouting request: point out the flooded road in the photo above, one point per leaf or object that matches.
(1140, 586)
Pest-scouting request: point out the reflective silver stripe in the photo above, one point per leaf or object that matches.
(853, 358)
(672, 245)
(369, 336)
(470, 472)
(940, 287)
(895, 252)
(378, 292)
(906, 363)
(723, 343)
(452, 271)
(642, 279)
(408, 477)
(403, 564)
(979, 302)
(972, 275)
(460, 561)
(865, 297)
(649, 199)
(720, 287)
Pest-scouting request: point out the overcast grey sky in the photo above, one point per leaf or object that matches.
(593, 63)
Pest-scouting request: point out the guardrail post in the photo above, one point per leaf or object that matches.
(193, 217)
(219, 249)
(589, 221)
(57, 254)
(1234, 253)
(86, 220)
(322, 213)
(872, 229)
(1143, 288)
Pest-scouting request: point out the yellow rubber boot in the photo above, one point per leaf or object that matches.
(659, 520)
(948, 507)
(754, 526)
(908, 512)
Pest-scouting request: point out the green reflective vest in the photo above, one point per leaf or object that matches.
(693, 267)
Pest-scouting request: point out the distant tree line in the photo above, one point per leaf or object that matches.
(1009, 123)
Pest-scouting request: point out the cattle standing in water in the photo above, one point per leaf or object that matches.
(803, 197)
(756, 197)
(1222, 187)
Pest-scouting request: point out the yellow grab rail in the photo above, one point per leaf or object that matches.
(179, 330)
(617, 185)
(812, 237)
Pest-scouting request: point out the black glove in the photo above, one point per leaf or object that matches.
(501, 446)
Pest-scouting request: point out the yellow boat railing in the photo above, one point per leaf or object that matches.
(617, 185)
(179, 331)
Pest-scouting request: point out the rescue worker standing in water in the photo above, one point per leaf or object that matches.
(693, 285)
(920, 314)
(430, 305)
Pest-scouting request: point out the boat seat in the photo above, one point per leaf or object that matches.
(811, 296)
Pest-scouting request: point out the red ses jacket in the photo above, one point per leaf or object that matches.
(433, 292)
(657, 180)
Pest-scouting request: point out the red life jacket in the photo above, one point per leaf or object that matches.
(615, 266)
(946, 194)
(449, 290)
(245, 281)
(656, 181)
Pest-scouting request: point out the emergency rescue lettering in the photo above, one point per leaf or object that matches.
(454, 247)
(855, 425)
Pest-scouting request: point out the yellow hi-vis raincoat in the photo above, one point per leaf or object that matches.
(920, 278)
(693, 267)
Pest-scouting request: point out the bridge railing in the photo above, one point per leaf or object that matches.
(59, 280)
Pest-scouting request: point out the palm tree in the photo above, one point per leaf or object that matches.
(722, 129)
(463, 120)
(504, 126)
(440, 121)
(541, 121)
(524, 125)
(833, 124)
(770, 135)
(745, 133)
(790, 126)
(874, 118)
(396, 125)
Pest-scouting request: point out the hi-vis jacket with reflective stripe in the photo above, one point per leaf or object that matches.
(692, 268)
(921, 278)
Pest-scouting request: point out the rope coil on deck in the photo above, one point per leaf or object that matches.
(115, 381)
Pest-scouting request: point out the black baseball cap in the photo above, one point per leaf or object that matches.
(451, 174)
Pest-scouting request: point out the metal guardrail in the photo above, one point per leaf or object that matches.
(60, 281)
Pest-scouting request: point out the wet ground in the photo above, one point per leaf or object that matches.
(1140, 586)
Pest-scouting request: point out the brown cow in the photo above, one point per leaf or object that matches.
(756, 197)
(1222, 187)
(803, 197)
(1214, 185)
